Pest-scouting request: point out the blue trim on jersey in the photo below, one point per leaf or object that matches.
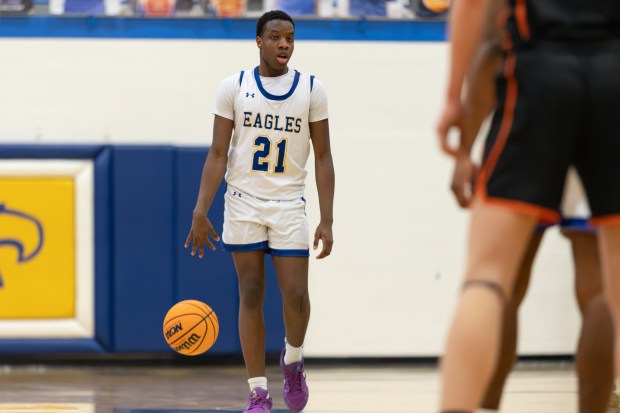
(262, 245)
(275, 97)
(352, 29)
(311, 82)
(289, 253)
(241, 77)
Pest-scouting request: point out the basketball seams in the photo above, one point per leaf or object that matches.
(206, 312)
(202, 319)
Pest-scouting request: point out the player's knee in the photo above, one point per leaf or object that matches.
(295, 295)
(251, 293)
(613, 306)
(491, 286)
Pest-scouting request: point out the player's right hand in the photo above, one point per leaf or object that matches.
(463, 179)
(199, 234)
(453, 116)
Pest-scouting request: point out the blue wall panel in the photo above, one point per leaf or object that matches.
(144, 198)
(212, 279)
(103, 248)
(144, 259)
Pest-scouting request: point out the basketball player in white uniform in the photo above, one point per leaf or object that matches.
(272, 113)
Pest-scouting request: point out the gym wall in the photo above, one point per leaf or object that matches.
(117, 114)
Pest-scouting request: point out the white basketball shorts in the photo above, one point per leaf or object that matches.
(575, 209)
(278, 227)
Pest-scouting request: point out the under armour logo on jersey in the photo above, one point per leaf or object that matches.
(248, 94)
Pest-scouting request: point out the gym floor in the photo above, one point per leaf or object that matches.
(548, 387)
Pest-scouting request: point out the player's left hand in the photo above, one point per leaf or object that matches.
(324, 233)
(453, 116)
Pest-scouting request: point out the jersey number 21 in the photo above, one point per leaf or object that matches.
(261, 161)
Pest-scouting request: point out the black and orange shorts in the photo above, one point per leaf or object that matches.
(558, 105)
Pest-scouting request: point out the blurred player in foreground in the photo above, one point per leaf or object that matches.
(556, 79)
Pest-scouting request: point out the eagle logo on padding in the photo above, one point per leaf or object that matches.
(22, 232)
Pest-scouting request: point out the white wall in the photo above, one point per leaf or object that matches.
(390, 286)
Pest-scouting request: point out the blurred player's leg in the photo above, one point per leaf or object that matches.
(609, 245)
(474, 338)
(594, 360)
(508, 348)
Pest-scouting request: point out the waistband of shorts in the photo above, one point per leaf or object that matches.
(244, 193)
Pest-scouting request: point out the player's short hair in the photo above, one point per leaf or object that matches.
(271, 15)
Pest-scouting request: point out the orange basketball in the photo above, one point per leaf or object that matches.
(191, 327)
(437, 6)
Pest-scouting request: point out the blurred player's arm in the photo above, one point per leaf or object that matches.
(478, 100)
(212, 175)
(467, 28)
(479, 92)
(325, 184)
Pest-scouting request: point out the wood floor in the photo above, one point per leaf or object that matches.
(532, 388)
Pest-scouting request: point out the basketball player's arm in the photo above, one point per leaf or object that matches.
(467, 23)
(479, 96)
(478, 102)
(325, 184)
(212, 175)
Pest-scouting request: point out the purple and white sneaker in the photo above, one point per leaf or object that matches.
(259, 401)
(295, 387)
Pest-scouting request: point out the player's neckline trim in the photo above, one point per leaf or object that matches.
(269, 95)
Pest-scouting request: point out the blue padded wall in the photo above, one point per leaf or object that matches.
(212, 279)
(103, 248)
(144, 198)
(103, 328)
(143, 205)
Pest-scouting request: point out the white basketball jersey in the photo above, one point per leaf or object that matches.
(271, 139)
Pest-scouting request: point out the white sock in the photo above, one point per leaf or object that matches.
(255, 382)
(292, 354)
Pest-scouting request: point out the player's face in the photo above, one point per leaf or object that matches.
(276, 45)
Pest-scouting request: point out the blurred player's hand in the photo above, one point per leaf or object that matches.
(463, 179)
(453, 116)
(324, 233)
(199, 234)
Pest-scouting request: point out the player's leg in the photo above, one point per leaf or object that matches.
(594, 359)
(473, 341)
(609, 244)
(292, 274)
(598, 163)
(508, 346)
(246, 237)
(250, 266)
(289, 244)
